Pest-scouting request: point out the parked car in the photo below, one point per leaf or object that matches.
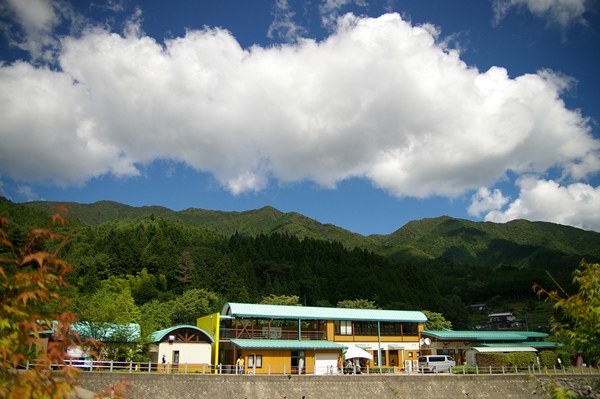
(436, 363)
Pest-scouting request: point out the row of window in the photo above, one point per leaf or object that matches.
(369, 328)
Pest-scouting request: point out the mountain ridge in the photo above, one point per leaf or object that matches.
(518, 243)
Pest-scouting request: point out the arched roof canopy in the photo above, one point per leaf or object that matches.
(182, 333)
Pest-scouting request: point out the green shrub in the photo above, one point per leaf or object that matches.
(498, 360)
(522, 359)
(464, 369)
(547, 358)
(494, 360)
(375, 370)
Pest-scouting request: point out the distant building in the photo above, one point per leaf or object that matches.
(105, 333)
(479, 308)
(459, 344)
(504, 321)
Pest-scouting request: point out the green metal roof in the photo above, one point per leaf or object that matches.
(157, 336)
(107, 332)
(544, 344)
(503, 349)
(535, 344)
(247, 310)
(285, 344)
(533, 334)
(483, 335)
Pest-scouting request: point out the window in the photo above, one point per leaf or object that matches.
(390, 329)
(365, 328)
(254, 359)
(410, 329)
(343, 327)
(376, 358)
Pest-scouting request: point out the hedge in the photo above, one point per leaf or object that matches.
(519, 359)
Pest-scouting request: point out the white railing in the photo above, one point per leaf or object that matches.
(533, 369)
(204, 368)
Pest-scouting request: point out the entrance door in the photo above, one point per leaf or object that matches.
(298, 365)
(394, 360)
(175, 360)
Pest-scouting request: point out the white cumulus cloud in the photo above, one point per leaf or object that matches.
(485, 200)
(576, 204)
(379, 98)
(330, 10)
(283, 25)
(34, 23)
(557, 12)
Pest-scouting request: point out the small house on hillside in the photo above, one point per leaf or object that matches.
(504, 321)
(478, 308)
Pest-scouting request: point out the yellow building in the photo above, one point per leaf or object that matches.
(272, 339)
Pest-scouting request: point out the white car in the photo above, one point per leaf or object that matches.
(436, 363)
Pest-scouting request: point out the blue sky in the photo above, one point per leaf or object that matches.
(363, 114)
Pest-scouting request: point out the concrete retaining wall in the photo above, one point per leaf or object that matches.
(179, 386)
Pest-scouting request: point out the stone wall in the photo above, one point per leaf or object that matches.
(583, 387)
(179, 386)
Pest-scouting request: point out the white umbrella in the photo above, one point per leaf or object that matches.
(354, 352)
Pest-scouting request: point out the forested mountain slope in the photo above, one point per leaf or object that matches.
(161, 257)
(266, 220)
(517, 244)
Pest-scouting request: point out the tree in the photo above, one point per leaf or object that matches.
(106, 310)
(436, 321)
(192, 304)
(145, 286)
(579, 322)
(287, 300)
(454, 309)
(155, 316)
(185, 269)
(30, 279)
(357, 304)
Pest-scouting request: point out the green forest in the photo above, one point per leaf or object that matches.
(159, 272)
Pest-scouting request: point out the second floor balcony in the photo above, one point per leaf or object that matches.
(274, 333)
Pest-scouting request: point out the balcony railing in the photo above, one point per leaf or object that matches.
(232, 333)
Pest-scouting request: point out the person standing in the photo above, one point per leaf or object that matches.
(164, 363)
(240, 365)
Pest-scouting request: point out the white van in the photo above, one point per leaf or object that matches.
(436, 363)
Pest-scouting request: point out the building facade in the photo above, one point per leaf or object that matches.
(182, 346)
(457, 343)
(309, 340)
